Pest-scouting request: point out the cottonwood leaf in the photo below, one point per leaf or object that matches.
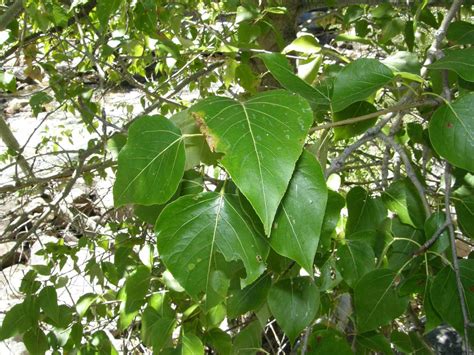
(452, 132)
(298, 222)
(461, 32)
(359, 80)
(351, 130)
(193, 230)
(365, 212)
(294, 303)
(151, 164)
(355, 259)
(464, 204)
(461, 61)
(261, 138)
(376, 300)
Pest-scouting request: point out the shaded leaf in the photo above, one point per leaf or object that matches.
(36, 341)
(461, 61)
(48, 300)
(461, 32)
(464, 203)
(365, 213)
(354, 110)
(294, 303)
(355, 259)
(298, 222)
(376, 300)
(328, 341)
(250, 298)
(156, 330)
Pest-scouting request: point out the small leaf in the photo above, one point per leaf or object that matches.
(261, 139)
(365, 213)
(278, 65)
(191, 344)
(351, 130)
(16, 321)
(298, 222)
(294, 303)
(250, 298)
(331, 217)
(447, 303)
(48, 300)
(452, 131)
(36, 341)
(355, 259)
(84, 302)
(376, 300)
(359, 80)
(402, 198)
(194, 230)
(151, 164)
(133, 295)
(461, 61)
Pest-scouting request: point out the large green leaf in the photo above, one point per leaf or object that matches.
(298, 222)
(460, 61)
(402, 198)
(278, 65)
(17, 320)
(365, 213)
(48, 300)
(376, 300)
(447, 303)
(461, 32)
(294, 303)
(36, 341)
(191, 232)
(355, 259)
(151, 164)
(359, 80)
(261, 139)
(452, 131)
(356, 109)
(464, 204)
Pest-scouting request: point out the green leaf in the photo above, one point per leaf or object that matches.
(376, 300)
(306, 43)
(249, 340)
(461, 61)
(328, 341)
(373, 341)
(36, 341)
(435, 221)
(354, 110)
(250, 298)
(219, 340)
(452, 131)
(447, 303)
(191, 344)
(464, 203)
(7, 82)
(278, 65)
(105, 9)
(402, 198)
(294, 303)
(196, 148)
(331, 217)
(84, 302)
(355, 259)
(402, 250)
(156, 330)
(133, 295)
(359, 80)
(16, 321)
(461, 32)
(262, 139)
(48, 300)
(409, 343)
(298, 222)
(151, 164)
(365, 213)
(191, 232)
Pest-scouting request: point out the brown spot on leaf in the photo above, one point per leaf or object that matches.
(204, 129)
(471, 288)
(450, 125)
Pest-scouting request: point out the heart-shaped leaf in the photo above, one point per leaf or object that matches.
(357, 81)
(193, 230)
(294, 303)
(297, 225)
(355, 259)
(452, 132)
(376, 300)
(261, 139)
(151, 164)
